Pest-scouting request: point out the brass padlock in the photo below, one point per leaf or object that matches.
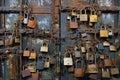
(93, 16)
(47, 63)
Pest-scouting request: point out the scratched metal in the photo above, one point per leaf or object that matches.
(44, 21)
(41, 3)
(40, 6)
(105, 2)
(12, 3)
(10, 19)
(105, 18)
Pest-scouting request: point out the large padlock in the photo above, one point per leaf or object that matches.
(93, 16)
(105, 73)
(73, 23)
(44, 47)
(83, 17)
(32, 23)
(32, 67)
(32, 54)
(40, 63)
(26, 52)
(92, 68)
(68, 61)
(79, 71)
(103, 31)
(114, 70)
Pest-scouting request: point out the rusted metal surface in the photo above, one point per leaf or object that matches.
(40, 6)
(8, 9)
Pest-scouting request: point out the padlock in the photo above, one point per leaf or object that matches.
(83, 17)
(106, 44)
(40, 63)
(103, 31)
(25, 20)
(105, 73)
(32, 67)
(78, 15)
(110, 30)
(74, 13)
(26, 52)
(79, 71)
(73, 24)
(100, 46)
(68, 61)
(110, 33)
(107, 62)
(89, 56)
(47, 63)
(17, 39)
(93, 16)
(32, 54)
(32, 23)
(83, 50)
(68, 17)
(77, 54)
(112, 48)
(114, 70)
(92, 68)
(25, 72)
(44, 47)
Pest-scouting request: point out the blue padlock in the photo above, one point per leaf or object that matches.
(40, 64)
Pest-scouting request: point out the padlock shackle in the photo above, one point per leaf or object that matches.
(76, 63)
(26, 48)
(66, 54)
(33, 50)
(44, 43)
(93, 11)
(103, 27)
(31, 64)
(83, 10)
